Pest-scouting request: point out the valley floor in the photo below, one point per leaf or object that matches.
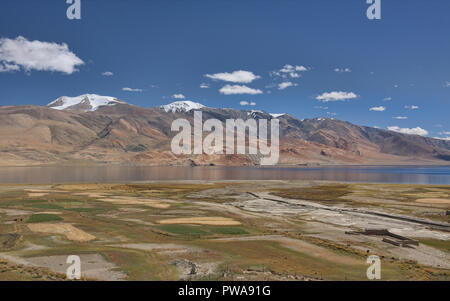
(236, 230)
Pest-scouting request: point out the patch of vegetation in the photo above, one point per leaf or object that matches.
(44, 206)
(183, 230)
(228, 230)
(325, 193)
(39, 218)
(84, 210)
(70, 203)
(35, 201)
(443, 245)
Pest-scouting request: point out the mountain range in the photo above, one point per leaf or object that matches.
(93, 129)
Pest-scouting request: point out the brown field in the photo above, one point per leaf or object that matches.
(69, 231)
(434, 201)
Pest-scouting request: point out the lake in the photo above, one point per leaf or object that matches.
(374, 174)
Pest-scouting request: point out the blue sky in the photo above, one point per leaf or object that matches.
(167, 47)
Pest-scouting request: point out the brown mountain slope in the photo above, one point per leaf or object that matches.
(127, 134)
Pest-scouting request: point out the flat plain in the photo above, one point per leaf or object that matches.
(236, 230)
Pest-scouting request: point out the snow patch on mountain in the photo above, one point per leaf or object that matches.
(277, 115)
(86, 102)
(182, 106)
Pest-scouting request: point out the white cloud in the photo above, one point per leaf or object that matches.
(342, 70)
(5, 67)
(321, 108)
(445, 133)
(289, 71)
(378, 109)
(414, 131)
(19, 53)
(336, 96)
(447, 85)
(442, 138)
(240, 76)
(132, 90)
(331, 113)
(178, 96)
(237, 89)
(387, 98)
(285, 85)
(412, 107)
(204, 86)
(400, 117)
(246, 103)
(107, 73)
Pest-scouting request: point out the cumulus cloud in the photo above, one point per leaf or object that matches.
(342, 70)
(414, 131)
(22, 54)
(336, 96)
(178, 96)
(321, 108)
(132, 90)
(289, 71)
(204, 86)
(387, 98)
(239, 76)
(237, 89)
(289, 68)
(285, 85)
(444, 133)
(246, 103)
(447, 85)
(107, 73)
(412, 107)
(400, 117)
(378, 109)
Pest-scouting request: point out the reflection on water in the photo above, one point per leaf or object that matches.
(391, 174)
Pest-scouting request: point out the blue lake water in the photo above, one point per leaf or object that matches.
(439, 175)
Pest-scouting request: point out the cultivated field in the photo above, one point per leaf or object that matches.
(268, 230)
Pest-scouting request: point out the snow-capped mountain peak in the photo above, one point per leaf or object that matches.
(182, 106)
(86, 102)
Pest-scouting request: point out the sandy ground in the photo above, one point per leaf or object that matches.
(69, 231)
(36, 194)
(14, 212)
(92, 194)
(433, 201)
(214, 221)
(160, 204)
(159, 247)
